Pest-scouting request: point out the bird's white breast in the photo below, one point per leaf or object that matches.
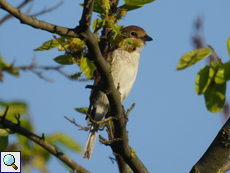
(124, 69)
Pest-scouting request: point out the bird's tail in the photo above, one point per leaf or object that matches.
(91, 141)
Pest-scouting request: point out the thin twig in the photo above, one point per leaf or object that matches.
(97, 28)
(67, 51)
(102, 122)
(4, 115)
(18, 116)
(33, 66)
(81, 127)
(29, 9)
(39, 74)
(108, 142)
(8, 16)
(18, 7)
(129, 110)
(217, 57)
(112, 159)
(47, 10)
(32, 21)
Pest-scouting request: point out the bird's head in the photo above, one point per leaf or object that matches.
(132, 37)
(136, 32)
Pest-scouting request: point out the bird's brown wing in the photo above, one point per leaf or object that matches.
(97, 82)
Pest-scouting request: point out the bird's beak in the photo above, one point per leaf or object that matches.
(147, 38)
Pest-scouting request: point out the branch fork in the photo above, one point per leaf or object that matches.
(108, 142)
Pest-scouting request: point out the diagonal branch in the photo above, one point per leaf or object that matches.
(217, 153)
(8, 16)
(31, 21)
(43, 143)
(18, 7)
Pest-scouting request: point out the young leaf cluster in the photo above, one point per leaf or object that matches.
(75, 51)
(211, 79)
(71, 46)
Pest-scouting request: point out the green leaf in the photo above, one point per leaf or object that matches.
(213, 69)
(65, 60)
(13, 71)
(130, 7)
(87, 67)
(63, 39)
(223, 73)
(134, 4)
(39, 162)
(193, 57)
(81, 110)
(220, 75)
(48, 45)
(14, 108)
(215, 97)
(26, 124)
(97, 24)
(75, 76)
(61, 48)
(3, 139)
(9, 68)
(205, 77)
(66, 141)
(118, 30)
(202, 80)
(228, 44)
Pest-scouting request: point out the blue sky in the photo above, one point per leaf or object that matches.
(170, 127)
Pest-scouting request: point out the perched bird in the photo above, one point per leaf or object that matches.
(124, 59)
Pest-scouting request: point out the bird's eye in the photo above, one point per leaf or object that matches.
(133, 33)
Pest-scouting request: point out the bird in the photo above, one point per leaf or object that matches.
(124, 60)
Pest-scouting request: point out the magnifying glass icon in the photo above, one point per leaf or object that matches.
(9, 160)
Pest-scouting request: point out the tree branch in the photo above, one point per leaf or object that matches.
(31, 21)
(121, 164)
(81, 127)
(8, 16)
(41, 141)
(18, 7)
(217, 153)
(120, 146)
(226, 167)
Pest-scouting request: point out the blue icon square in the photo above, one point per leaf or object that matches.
(10, 161)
